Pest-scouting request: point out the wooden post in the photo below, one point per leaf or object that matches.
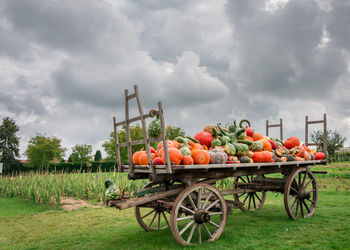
(325, 134)
(128, 138)
(117, 145)
(281, 130)
(267, 127)
(165, 144)
(306, 130)
(144, 128)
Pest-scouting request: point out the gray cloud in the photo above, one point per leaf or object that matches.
(65, 64)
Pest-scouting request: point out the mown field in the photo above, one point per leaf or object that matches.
(23, 224)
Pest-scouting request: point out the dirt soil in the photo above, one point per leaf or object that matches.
(70, 204)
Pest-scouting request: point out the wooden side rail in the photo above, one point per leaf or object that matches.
(274, 126)
(324, 143)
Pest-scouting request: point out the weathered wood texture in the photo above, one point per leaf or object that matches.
(324, 143)
(274, 126)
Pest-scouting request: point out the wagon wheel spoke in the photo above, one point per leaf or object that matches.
(158, 221)
(199, 198)
(299, 178)
(192, 203)
(297, 209)
(253, 198)
(246, 198)
(250, 199)
(191, 234)
(307, 184)
(206, 229)
(186, 227)
(150, 224)
(304, 179)
(165, 218)
(187, 209)
(257, 197)
(310, 200)
(307, 208)
(148, 214)
(214, 224)
(185, 218)
(206, 200)
(295, 201)
(301, 209)
(212, 205)
(199, 234)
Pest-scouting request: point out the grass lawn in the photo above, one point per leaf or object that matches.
(27, 226)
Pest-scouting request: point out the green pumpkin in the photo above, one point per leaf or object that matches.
(241, 149)
(241, 134)
(256, 146)
(230, 149)
(225, 139)
(216, 143)
(244, 159)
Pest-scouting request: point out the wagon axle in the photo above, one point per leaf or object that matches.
(201, 216)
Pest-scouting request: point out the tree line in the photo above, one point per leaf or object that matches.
(43, 150)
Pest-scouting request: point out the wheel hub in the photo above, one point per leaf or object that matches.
(201, 216)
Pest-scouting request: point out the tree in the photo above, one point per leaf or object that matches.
(335, 140)
(173, 132)
(9, 142)
(136, 133)
(81, 154)
(41, 150)
(98, 155)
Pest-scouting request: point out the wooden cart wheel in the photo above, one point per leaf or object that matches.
(300, 194)
(199, 214)
(152, 217)
(252, 200)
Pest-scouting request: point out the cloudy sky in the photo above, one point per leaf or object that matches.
(64, 64)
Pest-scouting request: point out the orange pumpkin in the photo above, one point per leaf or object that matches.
(187, 160)
(143, 159)
(135, 157)
(257, 137)
(160, 148)
(248, 138)
(292, 142)
(200, 156)
(266, 144)
(175, 156)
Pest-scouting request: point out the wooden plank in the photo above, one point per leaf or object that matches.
(306, 131)
(274, 125)
(165, 144)
(281, 130)
(137, 118)
(131, 96)
(128, 138)
(267, 127)
(313, 144)
(117, 146)
(314, 122)
(144, 128)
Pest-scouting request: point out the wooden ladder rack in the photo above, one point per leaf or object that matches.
(142, 117)
(274, 125)
(324, 143)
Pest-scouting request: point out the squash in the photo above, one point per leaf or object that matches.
(319, 156)
(244, 159)
(250, 154)
(256, 146)
(240, 134)
(185, 149)
(281, 152)
(209, 128)
(175, 156)
(225, 139)
(307, 156)
(273, 144)
(249, 131)
(204, 138)
(241, 149)
(160, 148)
(292, 142)
(283, 159)
(187, 160)
(289, 157)
(297, 151)
(136, 155)
(312, 156)
(299, 158)
(230, 149)
(143, 159)
(248, 138)
(257, 137)
(244, 121)
(200, 156)
(217, 156)
(264, 156)
(266, 145)
(157, 161)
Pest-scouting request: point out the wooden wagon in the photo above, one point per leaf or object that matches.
(185, 197)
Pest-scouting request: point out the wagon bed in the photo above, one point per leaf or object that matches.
(185, 197)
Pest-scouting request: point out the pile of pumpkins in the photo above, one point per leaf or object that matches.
(227, 145)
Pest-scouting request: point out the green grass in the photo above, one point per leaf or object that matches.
(24, 225)
(109, 228)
